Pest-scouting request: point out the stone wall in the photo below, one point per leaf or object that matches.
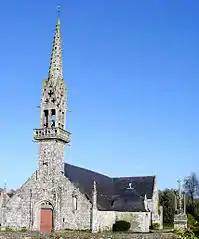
(161, 217)
(50, 159)
(23, 208)
(140, 221)
(75, 219)
(103, 220)
(155, 203)
(83, 235)
(17, 209)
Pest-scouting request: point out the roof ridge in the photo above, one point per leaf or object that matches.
(89, 170)
(125, 177)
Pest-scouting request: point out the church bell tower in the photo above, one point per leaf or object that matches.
(52, 135)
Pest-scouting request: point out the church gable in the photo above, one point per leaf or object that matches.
(24, 207)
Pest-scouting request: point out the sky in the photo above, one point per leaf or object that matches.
(132, 73)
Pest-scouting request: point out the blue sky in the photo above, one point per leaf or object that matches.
(132, 72)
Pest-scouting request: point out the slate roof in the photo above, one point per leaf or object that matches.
(128, 202)
(112, 193)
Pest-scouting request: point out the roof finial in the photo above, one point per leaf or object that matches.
(94, 186)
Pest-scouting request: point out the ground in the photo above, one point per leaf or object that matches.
(87, 235)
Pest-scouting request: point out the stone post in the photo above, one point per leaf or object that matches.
(94, 209)
(161, 217)
(184, 203)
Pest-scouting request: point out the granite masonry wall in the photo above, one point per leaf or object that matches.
(104, 220)
(83, 235)
(23, 208)
(139, 220)
(155, 203)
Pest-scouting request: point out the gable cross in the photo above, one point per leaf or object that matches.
(130, 186)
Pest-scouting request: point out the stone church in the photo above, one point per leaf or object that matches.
(61, 196)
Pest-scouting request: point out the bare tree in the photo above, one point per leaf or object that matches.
(191, 186)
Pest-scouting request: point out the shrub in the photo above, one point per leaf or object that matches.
(191, 220)
(196, 231)
(155, 226)
(24, 230)
(8, 229)
(121, 226)
(186, 234)
(168, 226)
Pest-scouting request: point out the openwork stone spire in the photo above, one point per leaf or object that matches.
(55, 70)
(53, 104)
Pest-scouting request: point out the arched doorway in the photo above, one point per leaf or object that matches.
(46, 217)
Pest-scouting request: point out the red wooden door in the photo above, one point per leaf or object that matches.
(46, 220)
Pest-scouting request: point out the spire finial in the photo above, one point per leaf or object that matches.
(55, 69)
(58, 12)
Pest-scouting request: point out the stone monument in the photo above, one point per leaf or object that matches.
(180, 217)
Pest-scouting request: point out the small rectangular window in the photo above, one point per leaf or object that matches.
(74, 203)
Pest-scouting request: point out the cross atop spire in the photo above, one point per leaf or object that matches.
(55, 69)
(58, 11)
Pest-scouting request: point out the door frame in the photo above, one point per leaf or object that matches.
(37, 213)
